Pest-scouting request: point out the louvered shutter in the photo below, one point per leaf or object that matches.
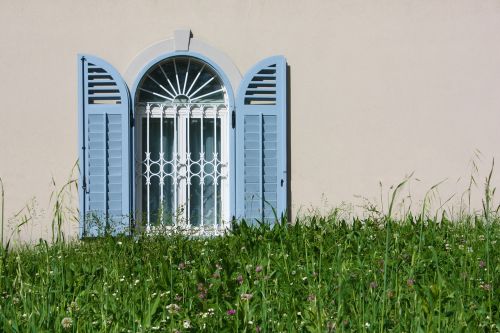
(104, 140)
(261, 144)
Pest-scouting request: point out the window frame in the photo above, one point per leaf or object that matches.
(230, 132)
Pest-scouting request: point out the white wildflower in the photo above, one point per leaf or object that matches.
(246, 297)
(173, 308)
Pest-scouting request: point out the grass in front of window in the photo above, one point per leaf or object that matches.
(324, 274)
(321, 274)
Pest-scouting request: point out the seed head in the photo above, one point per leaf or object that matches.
(66, 323)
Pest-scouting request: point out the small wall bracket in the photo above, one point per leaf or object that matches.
(182, 38)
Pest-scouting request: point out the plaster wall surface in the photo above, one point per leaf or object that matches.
(379, 89)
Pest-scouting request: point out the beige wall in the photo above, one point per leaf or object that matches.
(379, 88)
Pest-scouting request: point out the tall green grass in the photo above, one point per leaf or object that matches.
(323, 274)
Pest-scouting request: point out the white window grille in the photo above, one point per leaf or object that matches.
(182, 147)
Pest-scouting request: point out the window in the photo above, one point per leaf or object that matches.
(177, 146)
(181, 107)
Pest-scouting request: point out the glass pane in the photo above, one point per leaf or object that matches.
(159, 212)
(168, 169)
(219, 170)
(209, 188)
(181, 80)
(154, 187)
(195, 169)
(203, 197)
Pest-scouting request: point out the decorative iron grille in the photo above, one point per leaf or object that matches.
(182, 109)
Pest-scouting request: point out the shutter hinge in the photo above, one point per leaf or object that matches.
(132, 121)
(84, 185)
(233, 119)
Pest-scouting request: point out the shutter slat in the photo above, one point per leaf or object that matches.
(100, 81)
(99, 89)
(256, 76)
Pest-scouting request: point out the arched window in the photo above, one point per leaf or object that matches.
(182, 129)
(181, 148)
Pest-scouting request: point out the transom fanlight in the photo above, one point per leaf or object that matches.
(181, 80)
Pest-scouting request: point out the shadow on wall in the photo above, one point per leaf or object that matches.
(2, 215)
(288, 143)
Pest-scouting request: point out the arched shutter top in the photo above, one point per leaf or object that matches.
(102, 83)
(263, 87)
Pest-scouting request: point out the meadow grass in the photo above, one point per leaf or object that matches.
(322, 274)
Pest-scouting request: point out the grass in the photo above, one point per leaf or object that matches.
(324, 274)
(416, 273)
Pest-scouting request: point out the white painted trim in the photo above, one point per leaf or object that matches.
(195, 45)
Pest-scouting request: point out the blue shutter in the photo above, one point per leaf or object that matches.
(261, 144)
(104, 145)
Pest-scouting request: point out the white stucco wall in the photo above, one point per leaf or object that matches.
(378, 88)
